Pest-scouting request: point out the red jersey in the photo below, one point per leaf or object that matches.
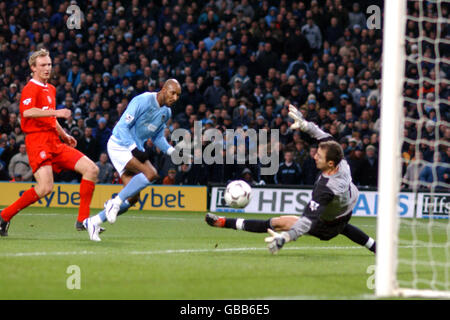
(38, 95)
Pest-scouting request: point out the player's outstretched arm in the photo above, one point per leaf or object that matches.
(161, 142)
(309, 127)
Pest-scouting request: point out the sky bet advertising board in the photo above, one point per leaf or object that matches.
(157, 197)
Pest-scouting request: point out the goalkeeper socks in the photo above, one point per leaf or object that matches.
(136, 184)
(259, 226)
(86, 191)
(358, 236)
(371, 245)
(102, 215)
(28, 197)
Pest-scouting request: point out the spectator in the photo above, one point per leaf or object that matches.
(102, 133)
(413, 170)
(106, 170)
(214, 92)
(122, 67)
(116, 178)
(4, 102)
(183, 118)
(289, 172)
(246, 9)
(312, 34)
(211, 40)
(370, 167)
(74, 75)
(191, 96)
(309, 167)
(267, 59)
(170, 178)
(356, 161)
(431, 171)
(89, 145)
(247, 176)
(19, 165)
(184, 175)
(356, 17)
(334, 31)
(271, 16)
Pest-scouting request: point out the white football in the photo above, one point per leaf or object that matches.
(237, 194)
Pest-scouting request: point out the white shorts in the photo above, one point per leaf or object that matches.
(119, 155)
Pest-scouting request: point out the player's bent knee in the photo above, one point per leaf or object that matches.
(94, 170)
(43, 190)
(151, 174)
(87, 168)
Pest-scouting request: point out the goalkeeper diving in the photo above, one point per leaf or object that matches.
(327, 214)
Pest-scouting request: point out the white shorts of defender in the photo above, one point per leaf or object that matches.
(119, 155)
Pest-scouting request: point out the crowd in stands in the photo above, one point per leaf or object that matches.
(240, 64)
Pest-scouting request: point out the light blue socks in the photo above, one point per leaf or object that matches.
(136, 184)
(123, 208)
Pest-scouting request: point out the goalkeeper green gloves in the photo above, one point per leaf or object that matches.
(297, 116)
(276, 240)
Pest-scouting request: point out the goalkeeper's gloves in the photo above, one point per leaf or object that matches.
(297, 116)
(276, 240)
(138, 154)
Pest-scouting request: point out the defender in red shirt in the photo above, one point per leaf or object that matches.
(46, 151)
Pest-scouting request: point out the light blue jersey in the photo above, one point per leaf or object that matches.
(142, 119)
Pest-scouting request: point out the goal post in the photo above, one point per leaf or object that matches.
(389, 165)
(413, 254)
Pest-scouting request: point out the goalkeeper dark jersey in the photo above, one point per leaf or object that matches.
(333, 196)
(332, 202)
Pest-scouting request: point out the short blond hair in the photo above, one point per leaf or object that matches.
(39, 53)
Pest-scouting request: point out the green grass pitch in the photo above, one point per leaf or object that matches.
(172, 256)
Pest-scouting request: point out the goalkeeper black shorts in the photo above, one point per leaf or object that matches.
(326, 230)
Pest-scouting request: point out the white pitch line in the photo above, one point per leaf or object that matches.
(181, 251)
(122, 217)
(169, 251)
(237, 249)
(37, 254)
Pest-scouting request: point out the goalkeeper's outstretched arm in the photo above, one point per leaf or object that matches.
(309, 127)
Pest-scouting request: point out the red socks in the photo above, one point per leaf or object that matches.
(86, 191)
(28, 197)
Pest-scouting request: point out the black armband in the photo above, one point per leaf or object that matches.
(138, 154)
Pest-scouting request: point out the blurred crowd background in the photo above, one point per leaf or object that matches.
(240, 64)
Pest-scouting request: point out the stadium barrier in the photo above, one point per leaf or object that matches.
(269, 200)
(155, 197)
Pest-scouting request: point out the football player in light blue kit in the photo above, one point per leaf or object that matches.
(145, 117)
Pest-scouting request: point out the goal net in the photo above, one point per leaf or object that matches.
(413, 254)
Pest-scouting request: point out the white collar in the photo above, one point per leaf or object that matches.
(39, 83)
